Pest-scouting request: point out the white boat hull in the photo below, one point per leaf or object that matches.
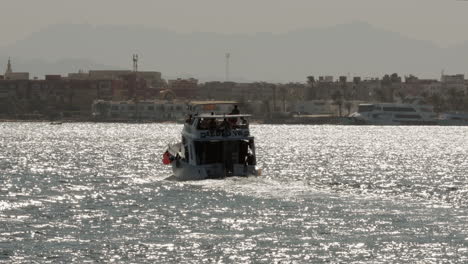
(187, 172)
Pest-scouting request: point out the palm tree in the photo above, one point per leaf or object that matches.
(455, 99)
(436, 101)
(348, 106)
(337, 98)
(310, 93)
(283, 91)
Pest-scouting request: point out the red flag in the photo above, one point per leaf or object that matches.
(166, 158)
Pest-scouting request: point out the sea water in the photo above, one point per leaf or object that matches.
(87, 193)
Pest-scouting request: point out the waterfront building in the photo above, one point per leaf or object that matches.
(184, 88)
(414, 86)
(217, 90)
(142, 84)
(255, 91)
(53, 95)
(152, 79)
(454, 82)
(10, 75)
(156, 110)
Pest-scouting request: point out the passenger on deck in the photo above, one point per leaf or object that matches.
(204, 123)
(212, 124)
(233, 120)
(250, 159)
(207, 123)
(225, 125)
(244, 122)
(235, 111)
(189, 119)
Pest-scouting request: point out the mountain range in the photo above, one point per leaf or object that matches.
(356, 48)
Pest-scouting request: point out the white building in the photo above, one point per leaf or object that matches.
(157, 110)
(139, 110)
(455, 82)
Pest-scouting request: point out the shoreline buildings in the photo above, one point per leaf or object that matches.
(72, 96)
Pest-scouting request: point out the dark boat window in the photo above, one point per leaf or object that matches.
(408, 116)
(186, 153)
(190, 153)
(398, 109)
(209, 152)
(186, 149)
(426, 109)
(365, 108)
(226, 152)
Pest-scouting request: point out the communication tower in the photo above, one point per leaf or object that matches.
(228, 55)
(135, 62)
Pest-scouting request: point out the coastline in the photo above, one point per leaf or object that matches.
(292, 121)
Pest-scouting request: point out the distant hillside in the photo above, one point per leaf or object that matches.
(355, 48)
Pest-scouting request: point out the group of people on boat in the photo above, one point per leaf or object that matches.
(228, 123)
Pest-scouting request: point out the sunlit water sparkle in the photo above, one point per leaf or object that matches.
(83, 192)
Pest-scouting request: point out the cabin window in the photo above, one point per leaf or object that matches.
(209, 152)
(426, 109)
(398, 109)
(408, 116)
(365, 108)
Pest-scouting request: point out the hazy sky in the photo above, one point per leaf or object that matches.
(443, 21)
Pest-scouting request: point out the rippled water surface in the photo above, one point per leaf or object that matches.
(90, 193)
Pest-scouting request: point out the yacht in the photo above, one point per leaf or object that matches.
(454, 119)
(213, 146)
(394, 114)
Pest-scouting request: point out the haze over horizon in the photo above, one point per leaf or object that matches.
(440, 21)
(437, 25)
